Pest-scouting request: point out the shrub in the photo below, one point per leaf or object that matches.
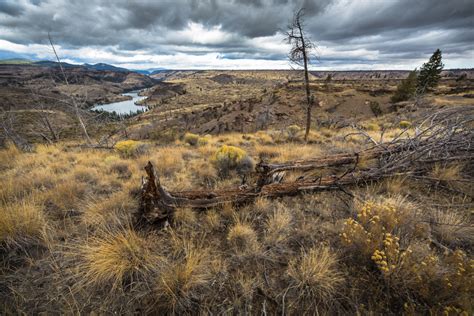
(406, 89)
(292, 131)
(203, 141)
(372, 127)
(385, 236)
(191, 139)
(228, 158)
(375, 107)
(130, 148)
(404, 124)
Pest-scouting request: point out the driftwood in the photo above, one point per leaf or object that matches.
(442, 137)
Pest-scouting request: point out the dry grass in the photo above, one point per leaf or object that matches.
(114, 210)
(7, 156)
(22, 222)
(242, 238)
(291, 255)
(116, 259)
(452, 228)
(315, 275)
(447, 173)
(185, 217)
(278, 226)
(181, 284)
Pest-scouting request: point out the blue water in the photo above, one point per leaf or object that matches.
(123, 107)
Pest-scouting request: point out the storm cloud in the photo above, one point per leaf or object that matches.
(184, 34)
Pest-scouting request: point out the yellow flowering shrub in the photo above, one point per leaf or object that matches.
(202, 141)
(377, 233)
(374, 222)
(228, 158)
(404, 124)
(130, 148)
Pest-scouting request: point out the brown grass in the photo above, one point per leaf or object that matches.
(116, 259)
(22, 222)
(315, 275)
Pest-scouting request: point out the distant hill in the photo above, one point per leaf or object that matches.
(48, 63)
(106, 67)
(15, 61)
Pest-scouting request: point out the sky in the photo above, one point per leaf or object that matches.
(245, 34)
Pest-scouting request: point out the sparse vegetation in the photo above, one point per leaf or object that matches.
(399, 244)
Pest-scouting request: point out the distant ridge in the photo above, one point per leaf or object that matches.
(15, 61)
(107, 67)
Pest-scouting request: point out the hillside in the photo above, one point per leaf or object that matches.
(370, 215)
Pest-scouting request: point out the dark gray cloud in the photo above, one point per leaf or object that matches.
(357, 32)
(10, 8)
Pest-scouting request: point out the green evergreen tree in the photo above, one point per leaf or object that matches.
(430, 73)
(406, 89)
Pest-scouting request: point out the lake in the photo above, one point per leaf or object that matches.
(123, 107)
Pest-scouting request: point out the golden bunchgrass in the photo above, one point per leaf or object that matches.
(113, 210)
(278, 226)
(116, 259)
(22, 222)
(182, 283)
(243, 238)
(8, 156)
(447, 173)
(185, 217)
(315, 275)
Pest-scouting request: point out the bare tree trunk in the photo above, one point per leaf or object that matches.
(300, 54)
(76, 107)
(308, 96)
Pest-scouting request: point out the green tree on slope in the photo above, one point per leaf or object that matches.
(430, 73)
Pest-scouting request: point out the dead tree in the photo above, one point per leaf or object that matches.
(9, 125)
(300, 54)
(73, 101)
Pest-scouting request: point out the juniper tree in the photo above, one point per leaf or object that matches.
(300, 54)
(430, 73)
(407, 88)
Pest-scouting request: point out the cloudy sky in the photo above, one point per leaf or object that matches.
(245, 34)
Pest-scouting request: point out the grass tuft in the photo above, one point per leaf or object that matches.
(116, 259)
(315, 275)
(22, 222)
